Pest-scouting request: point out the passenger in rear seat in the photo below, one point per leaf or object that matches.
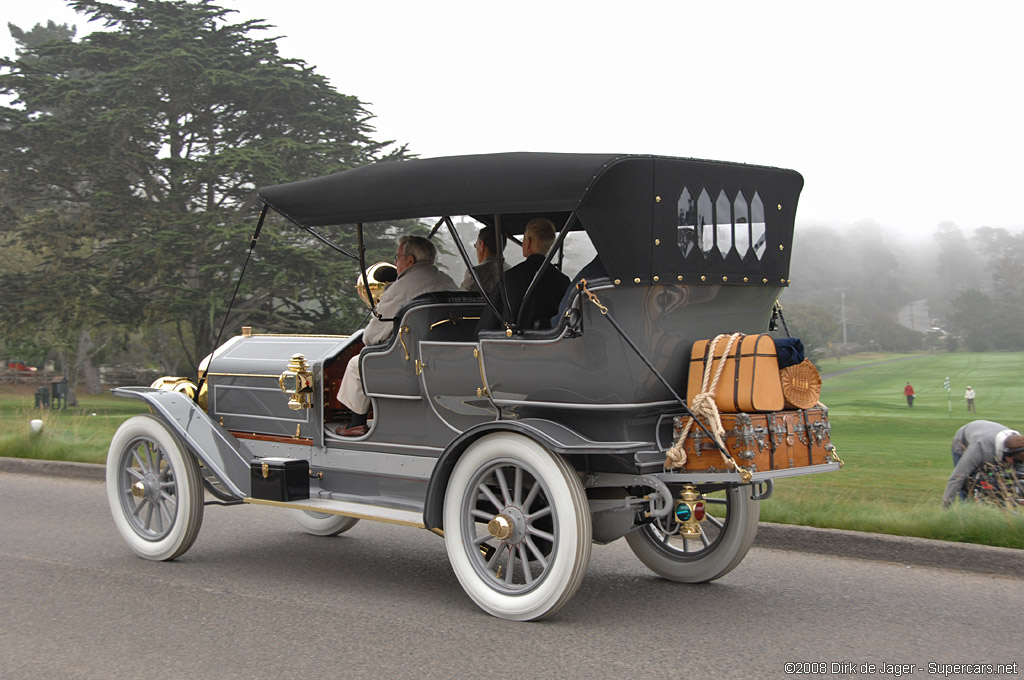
(414, 260)
(487, 257)
(538, 238)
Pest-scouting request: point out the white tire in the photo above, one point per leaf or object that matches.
(723, 543)
(154, 489)
(537, 558)
(322, 523)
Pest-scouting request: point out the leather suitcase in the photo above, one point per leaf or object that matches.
(761, 442)
(749, 382)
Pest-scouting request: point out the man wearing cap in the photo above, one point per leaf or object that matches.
(969, 395)
(977, 443)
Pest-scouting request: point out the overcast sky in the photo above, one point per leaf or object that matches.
(904, 113)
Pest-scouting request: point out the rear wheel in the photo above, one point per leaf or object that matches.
(516, 527)
(726, 535)
(154, 489)
(322, 523)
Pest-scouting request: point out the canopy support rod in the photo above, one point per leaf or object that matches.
(437, 226)
(238, 284)
(502, 289)
(326, 241)
(362, 271)
(472, 272)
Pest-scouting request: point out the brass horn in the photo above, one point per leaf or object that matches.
(380, 275)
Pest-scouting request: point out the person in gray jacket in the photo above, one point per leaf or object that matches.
(487, 255)
(977, 443)
(414, 260)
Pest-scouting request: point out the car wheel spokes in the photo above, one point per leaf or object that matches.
(514, 531)
(149, 490)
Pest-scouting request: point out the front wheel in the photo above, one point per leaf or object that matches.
(516, 527)
(154, 489)
(726, 535)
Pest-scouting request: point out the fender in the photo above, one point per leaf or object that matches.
(219, 450)
(555, 437)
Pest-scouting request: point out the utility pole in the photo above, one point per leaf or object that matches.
(842, 312)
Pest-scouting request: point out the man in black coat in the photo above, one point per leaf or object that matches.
(538, 237)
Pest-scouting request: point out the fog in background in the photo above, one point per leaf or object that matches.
(903, 119)
(903, 114)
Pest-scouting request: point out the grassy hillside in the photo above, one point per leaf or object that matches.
(898, 458)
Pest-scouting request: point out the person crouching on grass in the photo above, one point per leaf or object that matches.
(977, 443)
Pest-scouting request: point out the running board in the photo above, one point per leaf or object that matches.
(375, 513)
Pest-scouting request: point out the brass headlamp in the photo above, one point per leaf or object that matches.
(380, 275)
(297, 382)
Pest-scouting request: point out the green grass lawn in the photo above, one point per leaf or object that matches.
(80, 434)
(897, 458)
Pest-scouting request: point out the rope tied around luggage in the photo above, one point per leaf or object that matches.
(715, 435)
(704, 406)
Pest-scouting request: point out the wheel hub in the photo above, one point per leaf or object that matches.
(508, 526)
(148, 487)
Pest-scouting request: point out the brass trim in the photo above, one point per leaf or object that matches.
(244, 375)
(481, 391)
(329, 511)
(298, 335)
(270, 438)
(401, 339)
(266, 470)
(453, 320)
(298, 430)
(419, 367)
(246, 331)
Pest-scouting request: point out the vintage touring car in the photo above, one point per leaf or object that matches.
(520, 446)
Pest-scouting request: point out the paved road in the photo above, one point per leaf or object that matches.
(255, 598)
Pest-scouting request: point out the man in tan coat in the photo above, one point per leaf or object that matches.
(414, 260)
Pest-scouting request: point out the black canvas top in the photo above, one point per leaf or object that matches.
(651, 218)
(432, 187)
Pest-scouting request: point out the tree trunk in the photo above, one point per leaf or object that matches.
(84, 362)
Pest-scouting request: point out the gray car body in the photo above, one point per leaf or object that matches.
(579, 389)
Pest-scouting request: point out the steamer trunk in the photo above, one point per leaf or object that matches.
(761, 442)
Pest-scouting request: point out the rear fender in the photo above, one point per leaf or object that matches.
(553, 436)
(218, 449)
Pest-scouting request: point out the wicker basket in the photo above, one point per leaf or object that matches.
(801, 385)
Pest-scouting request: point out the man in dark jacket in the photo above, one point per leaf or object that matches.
(538, 237)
